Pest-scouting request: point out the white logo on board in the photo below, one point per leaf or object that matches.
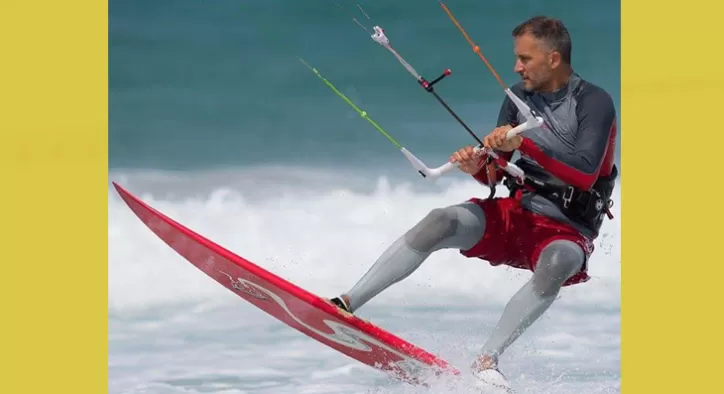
(343, 334)
(243, 286)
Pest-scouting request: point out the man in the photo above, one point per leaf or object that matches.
(547, 227)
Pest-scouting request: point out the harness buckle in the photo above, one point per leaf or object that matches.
(567, 196)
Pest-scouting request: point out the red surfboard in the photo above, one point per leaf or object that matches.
(314, 316)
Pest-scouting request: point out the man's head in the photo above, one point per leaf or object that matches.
(543, 53)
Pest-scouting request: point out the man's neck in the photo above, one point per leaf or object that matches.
(559, 81)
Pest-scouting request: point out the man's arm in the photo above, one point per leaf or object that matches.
(580, 167)
(508, 115)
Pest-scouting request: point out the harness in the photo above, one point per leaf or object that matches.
(586, 207)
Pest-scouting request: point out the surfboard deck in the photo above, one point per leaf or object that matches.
(298, 308)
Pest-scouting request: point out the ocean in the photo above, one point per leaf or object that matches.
(215, 122)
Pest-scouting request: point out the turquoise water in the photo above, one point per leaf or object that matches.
(218, 84)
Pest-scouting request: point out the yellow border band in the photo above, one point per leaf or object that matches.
(54, 196)
(671, 215)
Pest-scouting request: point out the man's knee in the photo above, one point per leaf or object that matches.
(437, 225)
(557, 262)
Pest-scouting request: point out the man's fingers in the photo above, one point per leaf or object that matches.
(500, 137)
(466, 156)
(486, 142)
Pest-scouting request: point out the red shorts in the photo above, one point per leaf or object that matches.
(515, 237)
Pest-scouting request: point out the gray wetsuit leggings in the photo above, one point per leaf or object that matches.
(461, 226)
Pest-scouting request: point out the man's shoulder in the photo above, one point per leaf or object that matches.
(594, 95)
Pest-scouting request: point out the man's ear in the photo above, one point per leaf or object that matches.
(554, 59)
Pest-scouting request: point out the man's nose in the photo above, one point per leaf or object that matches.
(518, 67)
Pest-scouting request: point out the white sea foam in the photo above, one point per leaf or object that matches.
(172, 329)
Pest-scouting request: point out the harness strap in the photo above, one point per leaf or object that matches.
(570, 199)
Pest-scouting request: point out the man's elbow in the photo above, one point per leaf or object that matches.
(581, 173)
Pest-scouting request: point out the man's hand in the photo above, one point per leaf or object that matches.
(467, 160)
(496, 140)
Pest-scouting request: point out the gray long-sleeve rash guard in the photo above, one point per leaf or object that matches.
(574, 146)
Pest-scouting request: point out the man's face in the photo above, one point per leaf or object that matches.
(534, 62)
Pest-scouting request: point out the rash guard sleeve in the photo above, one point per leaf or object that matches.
(580, 166)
